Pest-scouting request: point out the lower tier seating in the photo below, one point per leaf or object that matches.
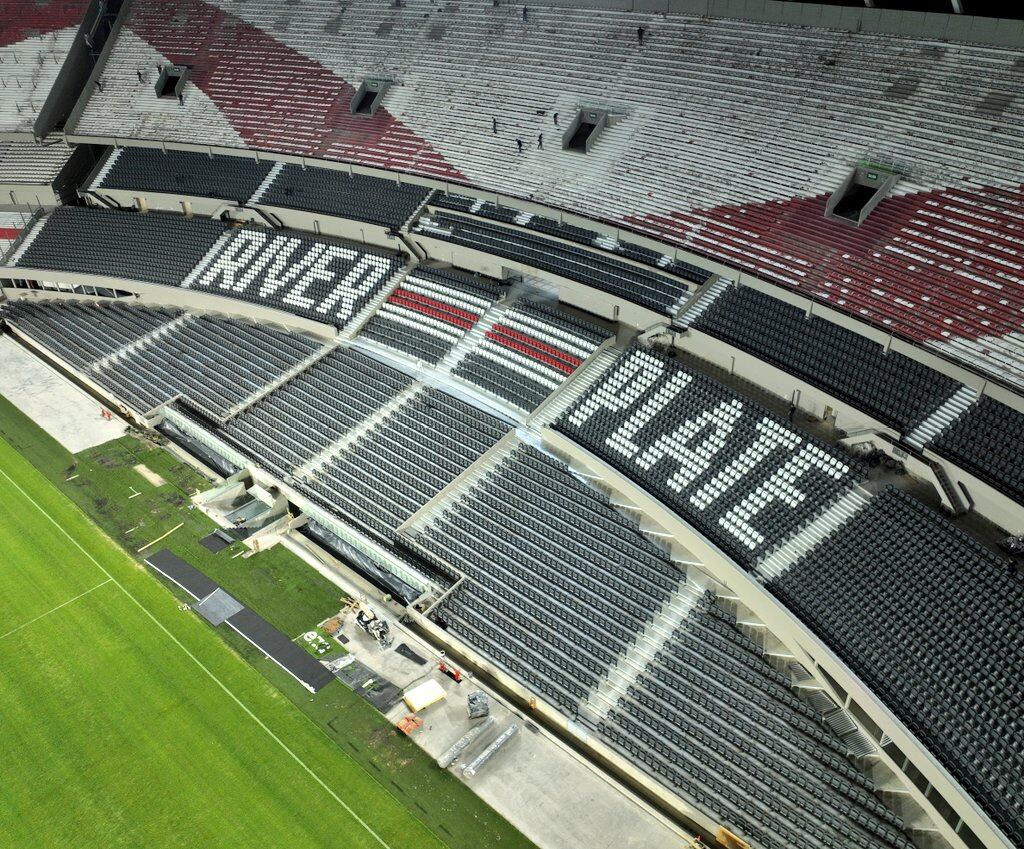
(429, 312)
(148, 357)
(527, 352)
(558, 585)
(304, 416)
(553, 568)
(930, 621)
(657, 292)
(717, 723)
(742, 476)
(988, 441)
(403, 460)
(895, 389)
(214, 364)
(81, 333)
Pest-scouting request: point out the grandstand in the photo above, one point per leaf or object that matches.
(751, 205)
(664, 368)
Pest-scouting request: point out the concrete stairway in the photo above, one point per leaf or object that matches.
(811, 535)
(364, 427)
(576, 386)
(476, 472)
(142, 342)
(27, 238)
(641, 652)
(702, 302)
(357, 321)
(295, 370)
(101, 175)
(471, 340)
(954, 407)
(267, 182)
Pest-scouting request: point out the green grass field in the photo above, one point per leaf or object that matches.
(126, 721)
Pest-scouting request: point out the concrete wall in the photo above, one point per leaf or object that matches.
(27, 196)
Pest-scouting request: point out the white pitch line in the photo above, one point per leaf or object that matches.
(53, 609)
(202, 666)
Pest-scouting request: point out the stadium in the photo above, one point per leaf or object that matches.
(468, 423)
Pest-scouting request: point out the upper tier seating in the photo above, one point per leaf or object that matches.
(571, 233)
(82, 333)
(302, 418)
(988, 440)
(34, 41)
(930, 621)
(356, 196)
(794, 109)
(28, 162)
(527, 352)
(430, 312)
(712, 719)
(740, 475)
(319, 279)
(156, 247)
(895, 389)
(560, 581)
(243, 180)
(177, 172)
(637, 285)
(404, 460)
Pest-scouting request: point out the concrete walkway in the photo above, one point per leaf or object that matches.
(67, 413)
(543, 788)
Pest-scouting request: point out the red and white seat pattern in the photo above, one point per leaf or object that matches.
(942, 268)
(34, 41)
(524, 342)
(11, 225)
(429, 312)
(731, 134)
(527, 352)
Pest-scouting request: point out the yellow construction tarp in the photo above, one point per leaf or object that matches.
(424, 695)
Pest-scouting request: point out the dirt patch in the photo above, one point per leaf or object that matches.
(149, 475)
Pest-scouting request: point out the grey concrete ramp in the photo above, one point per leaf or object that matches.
(216, 542)
(218, 607)
(293, 659)
(186, 576)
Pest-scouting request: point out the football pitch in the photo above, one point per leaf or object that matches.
(125, 721)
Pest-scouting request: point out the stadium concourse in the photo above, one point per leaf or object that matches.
(667, 376)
